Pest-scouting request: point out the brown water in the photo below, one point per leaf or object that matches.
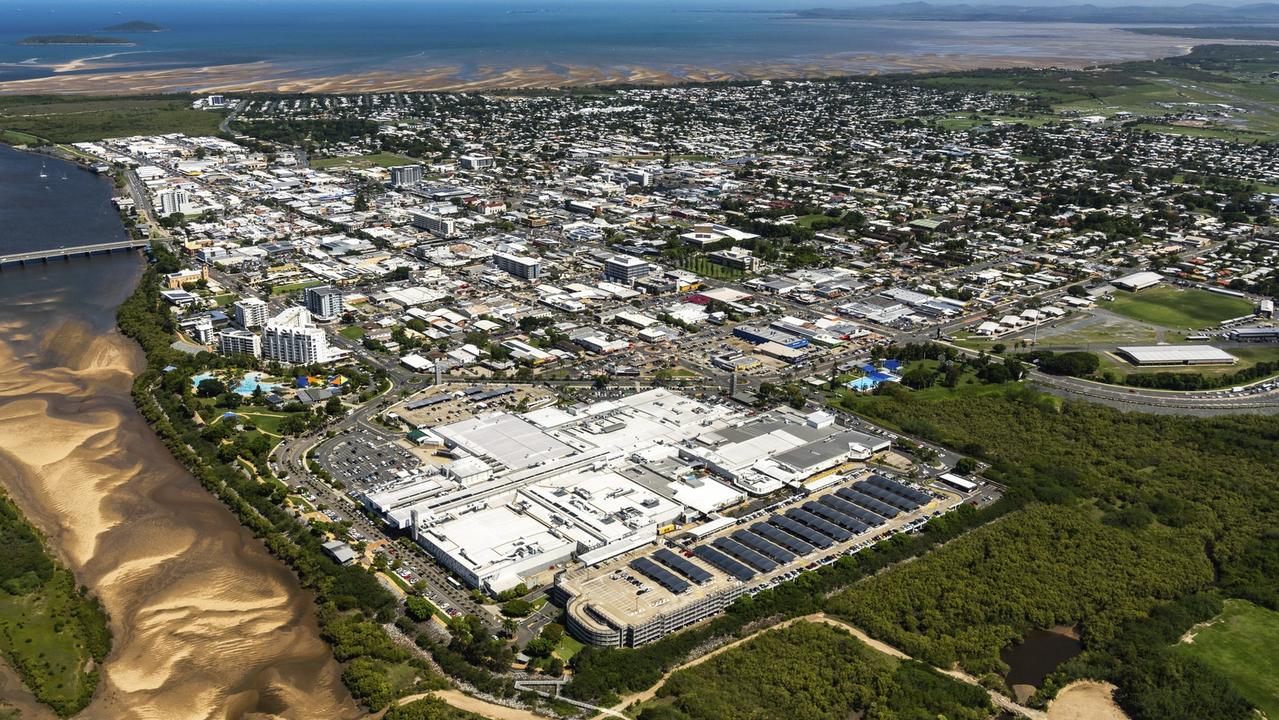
(206, 623)
(1037, 656)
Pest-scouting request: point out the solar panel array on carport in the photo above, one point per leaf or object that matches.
(844, 520)
(745, 554)
(724, 562)
(887, 496)
(851, 510)
(785, 539)
(801, 531)
(757, 543)
(682, 566)
(821, 525)
(869, 502)
(900, 488)
(659, 574)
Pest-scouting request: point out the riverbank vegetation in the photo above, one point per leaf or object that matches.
(69, 119)
(1171, 505)
(816, 672)
(51, 630)
(1047, 565)
(352, 603)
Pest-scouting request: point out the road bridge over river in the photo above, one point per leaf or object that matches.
(66, 253)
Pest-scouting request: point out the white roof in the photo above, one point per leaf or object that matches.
(1141, 279)
(1173, 354)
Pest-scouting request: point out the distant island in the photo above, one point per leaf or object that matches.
(1195, 13)
(135, 26)
(73, 40)
(1236, 32)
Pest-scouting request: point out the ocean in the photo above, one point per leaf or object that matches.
(475, 39)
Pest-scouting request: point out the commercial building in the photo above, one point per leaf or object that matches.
(644, 595)
(1165, 355)
(1138, 281)
(324, 302)
(518, 265)
(434, 224)
(476, 162)
(1270, 334)
(625, 269)
(736, 258)
(250, 313)
(406, 175)
(761, 335)
(291, 338)
(172, 201)
(557, 486)
(175, 280)
(239, 342)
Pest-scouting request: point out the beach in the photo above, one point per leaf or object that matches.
(206, 623)
(965, 46)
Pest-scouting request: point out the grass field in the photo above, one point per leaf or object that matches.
(1213, 74)
(352, 332)
(13, 137)
(71, 119)
(1243, 644)
(360, 162)
(1109, 332)
(1178, 308)
(294, 287)
(568, 647)
(266, 421)
(35, 633)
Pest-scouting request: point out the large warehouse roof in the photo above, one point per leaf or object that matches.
(1177, 355)
(510, 440)
(1138, 280)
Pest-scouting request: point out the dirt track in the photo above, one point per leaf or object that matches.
(1086, 700)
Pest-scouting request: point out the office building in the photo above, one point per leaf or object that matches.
(239, 342)
(324, 302)
(173, 201)
(736, 258)
(250, 313)
(519, 265)
(476, 162)
(625, 269)
(434, 224)
(406, 175)
(291, 338)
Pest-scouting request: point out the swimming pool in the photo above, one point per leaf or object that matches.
(871, 381)
(253, 381)
(248, 384)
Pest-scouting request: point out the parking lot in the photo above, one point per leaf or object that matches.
(361, 457)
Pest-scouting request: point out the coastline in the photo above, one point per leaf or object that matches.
(1075, 47)
(267, 78)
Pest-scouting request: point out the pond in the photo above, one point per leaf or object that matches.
(1037, 655)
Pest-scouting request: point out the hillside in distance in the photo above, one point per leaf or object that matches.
(1190, 13)
(135, 26)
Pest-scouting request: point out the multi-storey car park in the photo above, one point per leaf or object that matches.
(643, 595)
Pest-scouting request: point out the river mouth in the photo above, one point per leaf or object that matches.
(1037, 656)
(206, 623)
